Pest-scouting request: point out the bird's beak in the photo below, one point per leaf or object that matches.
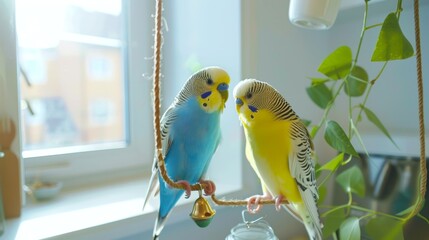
(223, 90)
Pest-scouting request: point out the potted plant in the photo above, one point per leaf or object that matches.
(343, 74)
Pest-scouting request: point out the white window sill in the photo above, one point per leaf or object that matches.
(111, 210)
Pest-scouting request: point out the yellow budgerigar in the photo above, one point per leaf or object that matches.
(279, 149)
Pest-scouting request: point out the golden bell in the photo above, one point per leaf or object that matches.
(202, 213)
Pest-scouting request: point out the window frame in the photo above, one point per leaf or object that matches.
(75, 169)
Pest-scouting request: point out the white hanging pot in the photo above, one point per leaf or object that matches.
(313, 14)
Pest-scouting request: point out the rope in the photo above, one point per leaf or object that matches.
(156, 90)
(423, 170)
(241, 202)
(157, 101)
(156, 76)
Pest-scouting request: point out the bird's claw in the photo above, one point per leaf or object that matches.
(254, 201)
(278, 202)
(209, 187)
(187, 187)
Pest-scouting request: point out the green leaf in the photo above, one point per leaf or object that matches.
(333, 163)
(391, 43)
(356, 131)
(320, 94)
(351, 180)
(356, 82)
(314, 131)
(376, 121)
(337, 65)
(350, 229)
(322, 193)
(332, 222)
(315, 81)
(385, 228)
(318, 172)
(337, 138)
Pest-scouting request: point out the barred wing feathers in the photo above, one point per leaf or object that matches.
(166, 120)
(302, 169)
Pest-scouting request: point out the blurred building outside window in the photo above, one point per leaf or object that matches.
(71, 52)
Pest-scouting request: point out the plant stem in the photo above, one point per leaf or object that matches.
(350, 201)
(366, 216)
(373, 26)
(350, 107)
(376, 213)
(423, 218)
(327, 110)
(367, 210)
(399, 9)
(363, 104)
(334, 209)
(348, 160)
(327, 177)
(362, 33)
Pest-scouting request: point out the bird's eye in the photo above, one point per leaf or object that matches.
(249, 95)
(209, 81)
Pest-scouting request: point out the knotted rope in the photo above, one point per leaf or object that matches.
(423, 170)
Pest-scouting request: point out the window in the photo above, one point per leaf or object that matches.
(84, 47)
(100, 68)
(101, 112)
(84, 76)
(34, 66)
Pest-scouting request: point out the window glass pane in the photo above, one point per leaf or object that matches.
(72, 53)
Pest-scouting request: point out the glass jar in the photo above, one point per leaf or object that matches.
(255, 230)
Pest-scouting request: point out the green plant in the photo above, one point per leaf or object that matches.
(342, 73)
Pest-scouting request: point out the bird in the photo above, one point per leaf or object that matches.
(190, 135)
(279, 149)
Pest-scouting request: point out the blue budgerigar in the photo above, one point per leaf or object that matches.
(190, 130)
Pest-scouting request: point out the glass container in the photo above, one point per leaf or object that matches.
(255, 230)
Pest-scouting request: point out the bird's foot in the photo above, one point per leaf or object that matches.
(253, 205)
(187, 187)
(279, 201)
(209, 187)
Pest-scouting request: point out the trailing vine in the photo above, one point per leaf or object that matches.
(342, 72)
